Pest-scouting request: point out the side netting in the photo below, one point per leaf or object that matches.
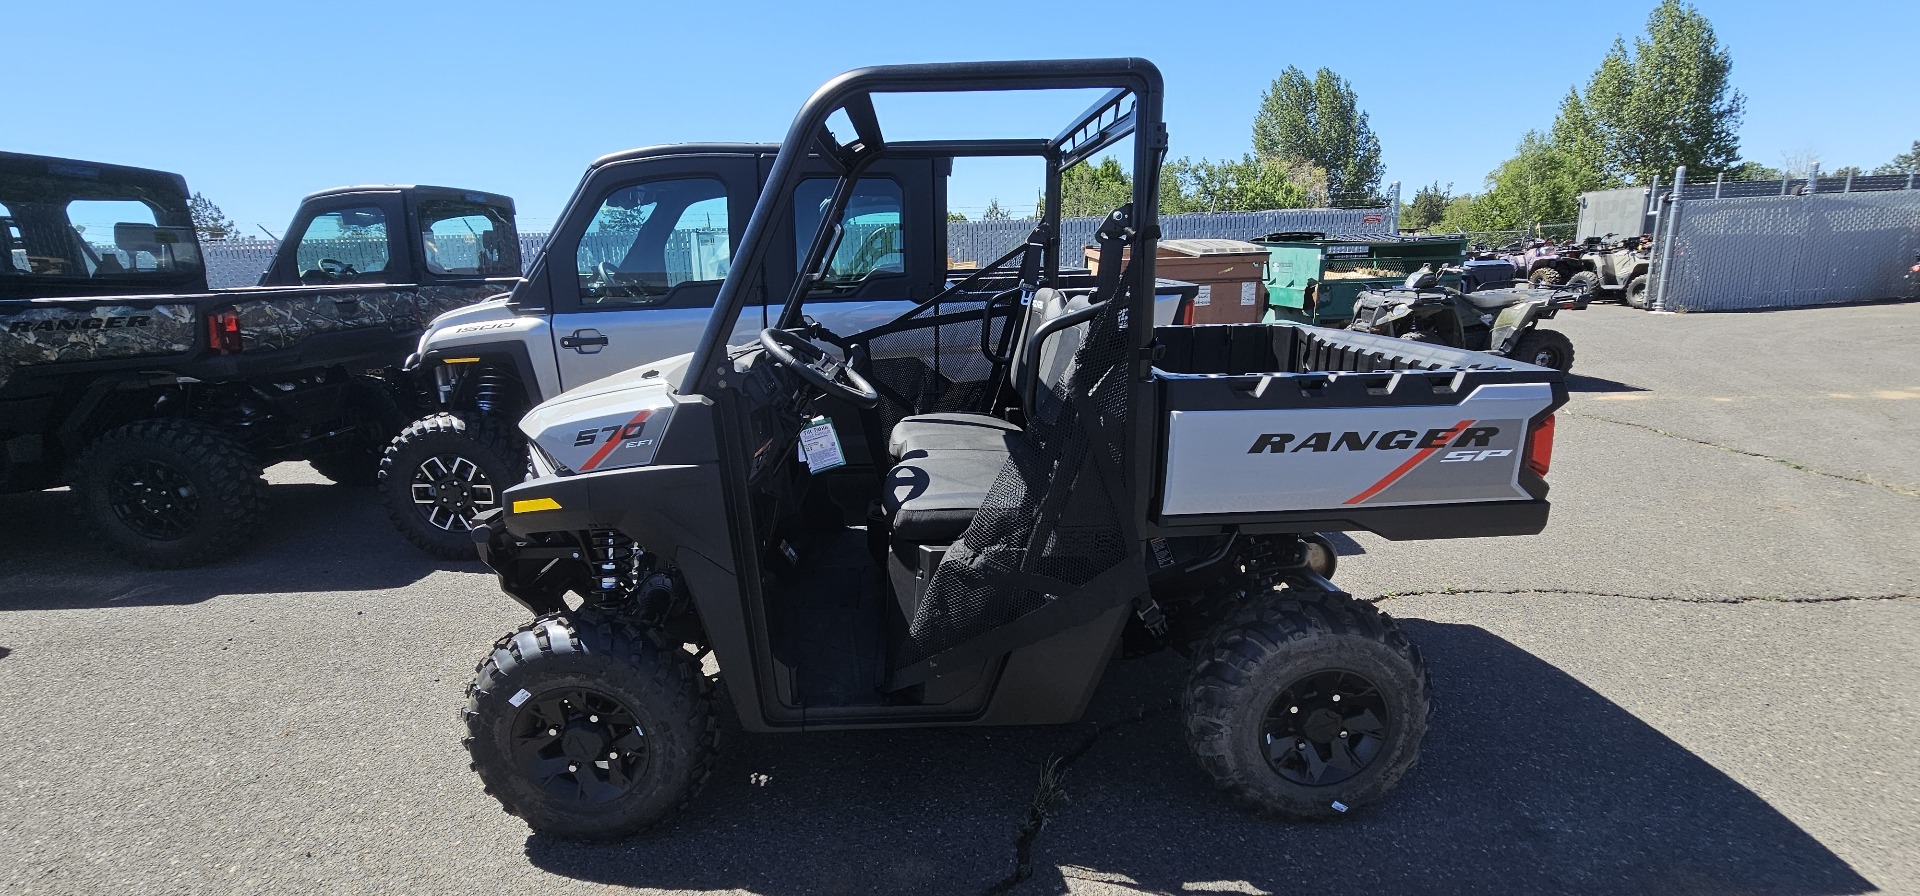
(1055, 519)
(931, 361)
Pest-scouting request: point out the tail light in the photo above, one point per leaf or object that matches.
(223, 332)
(1540, 446)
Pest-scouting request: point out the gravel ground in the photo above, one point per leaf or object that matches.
(1700, 679)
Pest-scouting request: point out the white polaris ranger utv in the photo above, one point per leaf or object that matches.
(953, 518)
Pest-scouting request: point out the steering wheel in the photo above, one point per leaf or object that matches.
(334, 267)
(819, 369)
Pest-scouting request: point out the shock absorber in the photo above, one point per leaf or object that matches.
(612, 558)
(489, 390)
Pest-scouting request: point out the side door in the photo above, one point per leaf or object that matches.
(343, 240)
(891, 252)
(635, 280)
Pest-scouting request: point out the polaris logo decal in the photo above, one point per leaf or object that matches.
(79, 323)
(1461, 435)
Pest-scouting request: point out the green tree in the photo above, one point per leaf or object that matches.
(1248, 184)
(956, 218)
(1905, 163)
(1088, 190)
(1667, 102)
(1428, 207)
(1542, 183)
(994, 212)
(1750, 170)
(209, 221)
(1319, 121)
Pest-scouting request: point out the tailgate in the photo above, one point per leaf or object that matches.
(54, 331)
(1346, 430)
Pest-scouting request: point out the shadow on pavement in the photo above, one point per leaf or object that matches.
(1578, 383)
(5, 652)
(314, 538)
(1529, 782)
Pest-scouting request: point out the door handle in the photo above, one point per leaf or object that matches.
(585, 342)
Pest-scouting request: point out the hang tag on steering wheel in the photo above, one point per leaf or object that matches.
(820, 446)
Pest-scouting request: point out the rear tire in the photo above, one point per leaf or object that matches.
(166, 494)
(1545, 277)
(1638, 293)
(1584, 282)
(440, 472)
(590, 727)
(1264, 707)
(1546, 348)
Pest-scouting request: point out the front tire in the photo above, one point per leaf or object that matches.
(1545, 277)
(167, 494)
(1305, 704)
(1637, 293)
(590, 727)
(1584, 283)
(441, 472)
(1544, 348)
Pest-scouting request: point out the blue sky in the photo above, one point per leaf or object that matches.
(261, 103)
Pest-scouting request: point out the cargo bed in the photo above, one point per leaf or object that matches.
(1292, 428)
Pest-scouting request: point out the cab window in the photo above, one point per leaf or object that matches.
(646, 239)
(465, 239)
(343, 246)
(872, 241)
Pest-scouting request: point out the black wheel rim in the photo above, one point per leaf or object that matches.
(1326, 728)
(1546, 357)
(450, 490)
(580, 746)
(156, 500)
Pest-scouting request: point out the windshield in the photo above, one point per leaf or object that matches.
(93, 229)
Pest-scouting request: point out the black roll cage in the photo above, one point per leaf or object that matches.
(1108, 121)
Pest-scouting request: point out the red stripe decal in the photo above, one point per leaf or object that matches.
(614, 442)
(1407, 467)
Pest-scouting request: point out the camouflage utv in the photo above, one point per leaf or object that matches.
(159, 400)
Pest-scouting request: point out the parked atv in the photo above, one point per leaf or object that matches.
(1496, 321)
(956, 517)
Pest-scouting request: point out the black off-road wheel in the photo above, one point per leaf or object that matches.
(1545, 277)
(1544, 348)
(1584, 282)
(1637, 293)
(378, 414)
(590, 727)
(166, 494)
(1307, 705)
(441, 472)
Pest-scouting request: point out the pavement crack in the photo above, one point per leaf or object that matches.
(1662, 598)
(1794, 464)
(1051, 790)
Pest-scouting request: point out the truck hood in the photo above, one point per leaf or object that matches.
(608, 423)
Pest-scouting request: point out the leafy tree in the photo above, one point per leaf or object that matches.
(1542, 183)
(209, 221)
(994, 212)
(956, 218)
(1668, 102)
(1843, 172)
(1428, 207)
(1088, 190)
(1750, 170)
(1248, 184)
(1319, 121)
(1905, 163)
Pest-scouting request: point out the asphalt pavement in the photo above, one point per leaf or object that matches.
(1701, 678)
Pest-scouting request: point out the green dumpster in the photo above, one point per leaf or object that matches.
(1312, 279)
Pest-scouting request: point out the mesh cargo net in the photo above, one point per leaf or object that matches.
(1053, 519)
(930, 362)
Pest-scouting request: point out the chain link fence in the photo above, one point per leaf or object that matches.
(1772, 251)
(232, 263)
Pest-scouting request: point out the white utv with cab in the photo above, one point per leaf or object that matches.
(954, 517)
(628, 277)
